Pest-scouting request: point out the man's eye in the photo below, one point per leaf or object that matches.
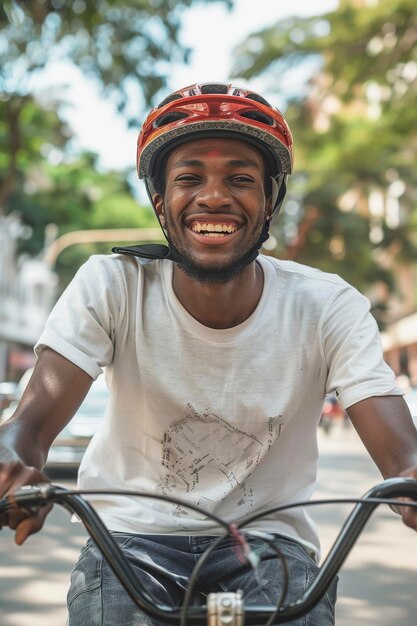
(242, 179)
(187, 178)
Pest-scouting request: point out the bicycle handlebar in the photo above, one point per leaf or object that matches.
(30, 497)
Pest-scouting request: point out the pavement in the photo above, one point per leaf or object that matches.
(378, 581)
(377, 585)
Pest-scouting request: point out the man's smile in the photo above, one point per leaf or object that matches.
(213, 229)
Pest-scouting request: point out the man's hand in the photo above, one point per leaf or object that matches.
(13, 475)
(52, 396)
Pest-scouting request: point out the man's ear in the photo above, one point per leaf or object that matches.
(158, 203)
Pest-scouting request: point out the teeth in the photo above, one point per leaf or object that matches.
(210, 228)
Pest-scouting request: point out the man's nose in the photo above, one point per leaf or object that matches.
(214, 195)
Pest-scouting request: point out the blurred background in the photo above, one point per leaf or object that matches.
(77, 78)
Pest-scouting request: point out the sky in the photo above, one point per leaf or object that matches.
(211, 31)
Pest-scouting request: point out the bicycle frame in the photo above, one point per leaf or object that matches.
(39, 495)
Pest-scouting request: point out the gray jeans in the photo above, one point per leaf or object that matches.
(164, 564)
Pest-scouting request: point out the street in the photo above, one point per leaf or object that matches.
(378, 582)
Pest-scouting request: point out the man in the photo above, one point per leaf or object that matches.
(218, 361)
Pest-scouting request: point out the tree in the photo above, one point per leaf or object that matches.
(26, 129)
(121, 43)
(355, 134)
(127, 47)
(75, 195)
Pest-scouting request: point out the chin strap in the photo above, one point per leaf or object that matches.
(151, 252)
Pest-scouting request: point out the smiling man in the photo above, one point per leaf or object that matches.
(216, 206)
(214, 210)
(218, 360)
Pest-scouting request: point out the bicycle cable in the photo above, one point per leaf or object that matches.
(205, 556)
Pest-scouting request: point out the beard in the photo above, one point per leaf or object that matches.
(218, 274)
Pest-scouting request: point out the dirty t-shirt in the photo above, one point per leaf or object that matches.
(224, 419)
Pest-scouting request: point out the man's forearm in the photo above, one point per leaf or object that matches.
(385, 426)
(53, 394)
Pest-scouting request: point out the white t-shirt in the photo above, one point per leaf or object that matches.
(225, 419)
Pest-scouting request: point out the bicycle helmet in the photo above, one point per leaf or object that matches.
(212, 110)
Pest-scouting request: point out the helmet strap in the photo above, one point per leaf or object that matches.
(279, 189)
(151, 252)
(264, 234)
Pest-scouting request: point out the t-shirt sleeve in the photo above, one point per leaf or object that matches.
(81, 325)
(353, 350)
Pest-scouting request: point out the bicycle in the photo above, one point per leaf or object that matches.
(221, 608)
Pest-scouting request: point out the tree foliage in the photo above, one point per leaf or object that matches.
(127, 47)
(26, 131)
(355, 134)
(119, 42)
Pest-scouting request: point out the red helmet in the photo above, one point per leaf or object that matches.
(214, 110)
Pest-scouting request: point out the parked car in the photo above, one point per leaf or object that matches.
(68, 448)
(17, 394)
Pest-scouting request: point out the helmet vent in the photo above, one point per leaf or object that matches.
(168, 99)
(258, 98)
(258, 117)
(168, 118)
(214, 88)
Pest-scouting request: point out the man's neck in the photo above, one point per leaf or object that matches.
(220, 305)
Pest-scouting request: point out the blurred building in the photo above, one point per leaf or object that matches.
(27, 292)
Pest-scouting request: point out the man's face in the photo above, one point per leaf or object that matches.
(214, 206)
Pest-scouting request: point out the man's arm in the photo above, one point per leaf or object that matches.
(385, 426)
(54, 393)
